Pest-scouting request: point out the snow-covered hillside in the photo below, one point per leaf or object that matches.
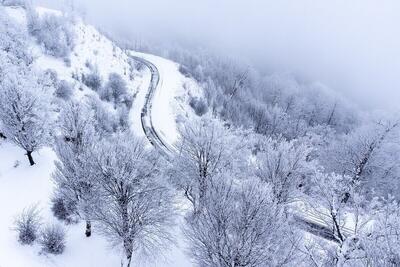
(113, 157)
(22, 185)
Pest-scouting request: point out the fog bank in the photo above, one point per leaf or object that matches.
(351, 46)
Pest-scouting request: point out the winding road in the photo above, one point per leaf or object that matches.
(315, 224)
(146, 119)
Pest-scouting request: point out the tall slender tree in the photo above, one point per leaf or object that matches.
(73, 175)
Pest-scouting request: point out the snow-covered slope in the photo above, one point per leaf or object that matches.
(22, 185)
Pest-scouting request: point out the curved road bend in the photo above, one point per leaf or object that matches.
(146, 119)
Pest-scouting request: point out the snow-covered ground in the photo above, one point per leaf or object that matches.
(22, 185)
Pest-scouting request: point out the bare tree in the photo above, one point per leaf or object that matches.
(25, 110)
(239, 82)
(73, 176)
(54, 33)
(283, 165)
(240, 226)
(114, 90)
(366, 231)
(382, 242)
(360, 154)
(345, 222)
(327, 201)
(206, 149)
(135, 209)
(14, 42)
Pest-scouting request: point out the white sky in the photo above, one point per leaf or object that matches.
(352, 46)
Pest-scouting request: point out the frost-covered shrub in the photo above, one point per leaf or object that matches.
(128, 100)
(199, 105)
(64, 90)
(53, 32)
(63, 210)
(27, 225)
(67, 62)
(52, 239)
(114, 90)
(51, 75)
(105, 93)
(89, 65)
(135, 65)
(92, 80)
(13, 3)
(123, 118)
(105, 122)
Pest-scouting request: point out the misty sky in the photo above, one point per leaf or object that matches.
(352, 46)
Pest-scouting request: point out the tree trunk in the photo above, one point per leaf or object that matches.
(126, 262)
(128, 250)
(88, 231)
(29, 154)
(337, 228)
(2, 136)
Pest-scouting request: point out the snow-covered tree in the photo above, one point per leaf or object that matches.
(13, 2)
(366, 232)
(240, 226)
(198, 105)
(284, 165)
(25, 107)
(73, 175)
(105, 121)
(135, 208)
(344, 222)
(368, 155)
(54, 32)
(268, 120)
(206, 148)
(123, 118)
(382, 242)
(114, 90)
(13, 41)
(64, 90)
(327, 201)
(93, 79)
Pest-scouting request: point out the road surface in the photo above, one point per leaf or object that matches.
(146, 117)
